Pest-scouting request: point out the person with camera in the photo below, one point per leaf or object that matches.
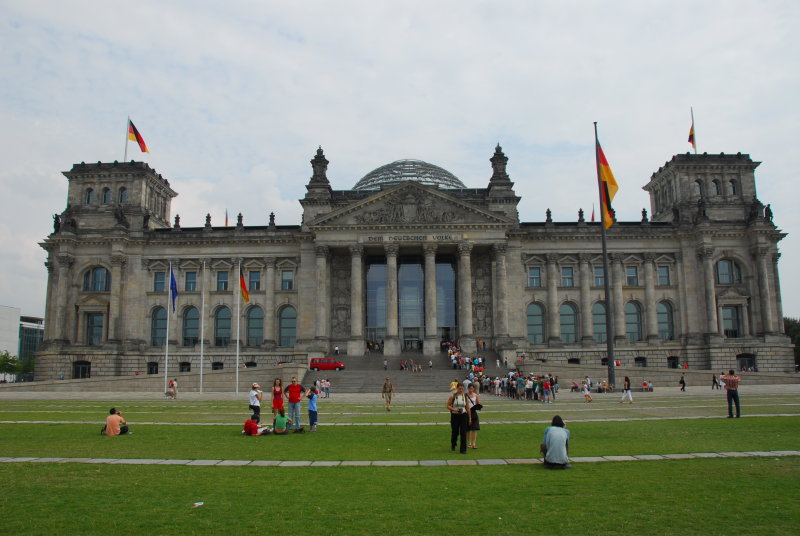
(115, 423)
(256, 396)
(460, 418)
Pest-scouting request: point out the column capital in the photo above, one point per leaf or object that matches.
(759, 252)
(356, 250)
(118, 260)
(776, 257)
(705, 253)
(391, 250)
(552, 258)
(321, 251)
(65, 260)
(584, 258)
(499, 249)
(649, 257)
(464, 248)
(269, 262)
(429, 249)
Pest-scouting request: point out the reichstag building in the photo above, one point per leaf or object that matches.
(408, 258)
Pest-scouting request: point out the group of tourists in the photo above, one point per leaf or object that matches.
(413, 367)
(281, 423)
(464, 420)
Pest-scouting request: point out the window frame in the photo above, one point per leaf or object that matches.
(220, 339)
(569, 311)
(567, 276)
(253, 280)
(531, 326)
(287, 283)
(535, 280)
(158, 327)
(663, 275)
(632, 276)
(638, 335)
(223, 280)
(190, 284)
(159, 281)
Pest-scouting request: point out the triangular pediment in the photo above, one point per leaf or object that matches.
(410, 203)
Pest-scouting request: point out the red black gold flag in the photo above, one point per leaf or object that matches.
(134, 135)
(608, 187)
(691, 135)
(243, 287)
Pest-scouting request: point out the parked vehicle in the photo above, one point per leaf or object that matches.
(325, 363)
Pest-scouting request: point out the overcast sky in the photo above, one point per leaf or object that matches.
(233, 102)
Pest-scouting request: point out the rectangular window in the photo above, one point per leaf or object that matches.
(534, 277)
(190, 281)
(287, 280)
(158, 281)
(94, 329)
(599, 277)
(254, 282)
(567, 279)
(663, 276)
(222, 280)
(731, 322)
(632, 276)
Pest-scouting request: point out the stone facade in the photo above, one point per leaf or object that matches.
(697, 284)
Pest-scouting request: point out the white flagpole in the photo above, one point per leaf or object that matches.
(127, 126)
(202, 318)
(238, 303)
(168, 285)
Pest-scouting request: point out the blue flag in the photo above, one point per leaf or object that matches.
(173, 287)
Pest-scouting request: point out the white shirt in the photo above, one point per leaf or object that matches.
(254, 401)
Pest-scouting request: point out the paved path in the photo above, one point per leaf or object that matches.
(399, 463)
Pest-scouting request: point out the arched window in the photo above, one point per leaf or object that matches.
(734, 190)
(106, 197)
(728, 272)
(666, 324)
(97, 279)
(633, 321)
(158, 327)
(122, 197)
(255, 326)
(569, 322)
(222, 327)
(191, 326)
(698, 188)
(599, 322)
(287, 322)
(716, 186)
(89, 196)
(535, 323)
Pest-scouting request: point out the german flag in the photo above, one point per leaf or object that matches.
(243, 287)
(691, 135)
(608, 187)
(134, 135)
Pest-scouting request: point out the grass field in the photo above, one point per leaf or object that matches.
(753, 495)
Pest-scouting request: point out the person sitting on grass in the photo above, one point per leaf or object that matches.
(252, 428)
(555, 447)
(115, 424)
(280, 423)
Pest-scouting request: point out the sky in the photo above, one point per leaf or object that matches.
(233, 99)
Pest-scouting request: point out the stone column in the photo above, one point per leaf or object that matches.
(767, 322)
(553, 318)
(207, 317)
(431, 343)
(585, 269)
(392, 341)
(651, 316)
(355, 346)
(322, 315)
(269, 304)
(618, 276)
(712, 326)
(115, 299)
(778, 302)
(466, 337)
(65, 261)
(499, 251)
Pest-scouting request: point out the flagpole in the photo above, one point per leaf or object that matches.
(166, 338)
(606, 273)
(238, 304)
(202, 319)
(694, 130)
(127, 126)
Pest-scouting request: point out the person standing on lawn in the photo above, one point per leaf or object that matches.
(460, 418)
(294, 392)
(474, 403)
(311, 395)
(255, 397)
(731, 382)
(626, 390)
(277, 396)
(682, 382)
(387, 392)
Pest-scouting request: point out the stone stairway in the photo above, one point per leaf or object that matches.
(366, 374)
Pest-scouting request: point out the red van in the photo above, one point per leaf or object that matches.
(325, 363)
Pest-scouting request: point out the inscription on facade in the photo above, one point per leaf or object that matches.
(390, 238)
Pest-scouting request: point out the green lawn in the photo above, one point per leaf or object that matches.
(757, 495)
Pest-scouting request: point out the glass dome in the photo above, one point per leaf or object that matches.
(409, 170)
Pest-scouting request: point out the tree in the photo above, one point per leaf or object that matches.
(792, 328)
(9, 364)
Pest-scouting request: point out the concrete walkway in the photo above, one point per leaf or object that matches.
(400, 463)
